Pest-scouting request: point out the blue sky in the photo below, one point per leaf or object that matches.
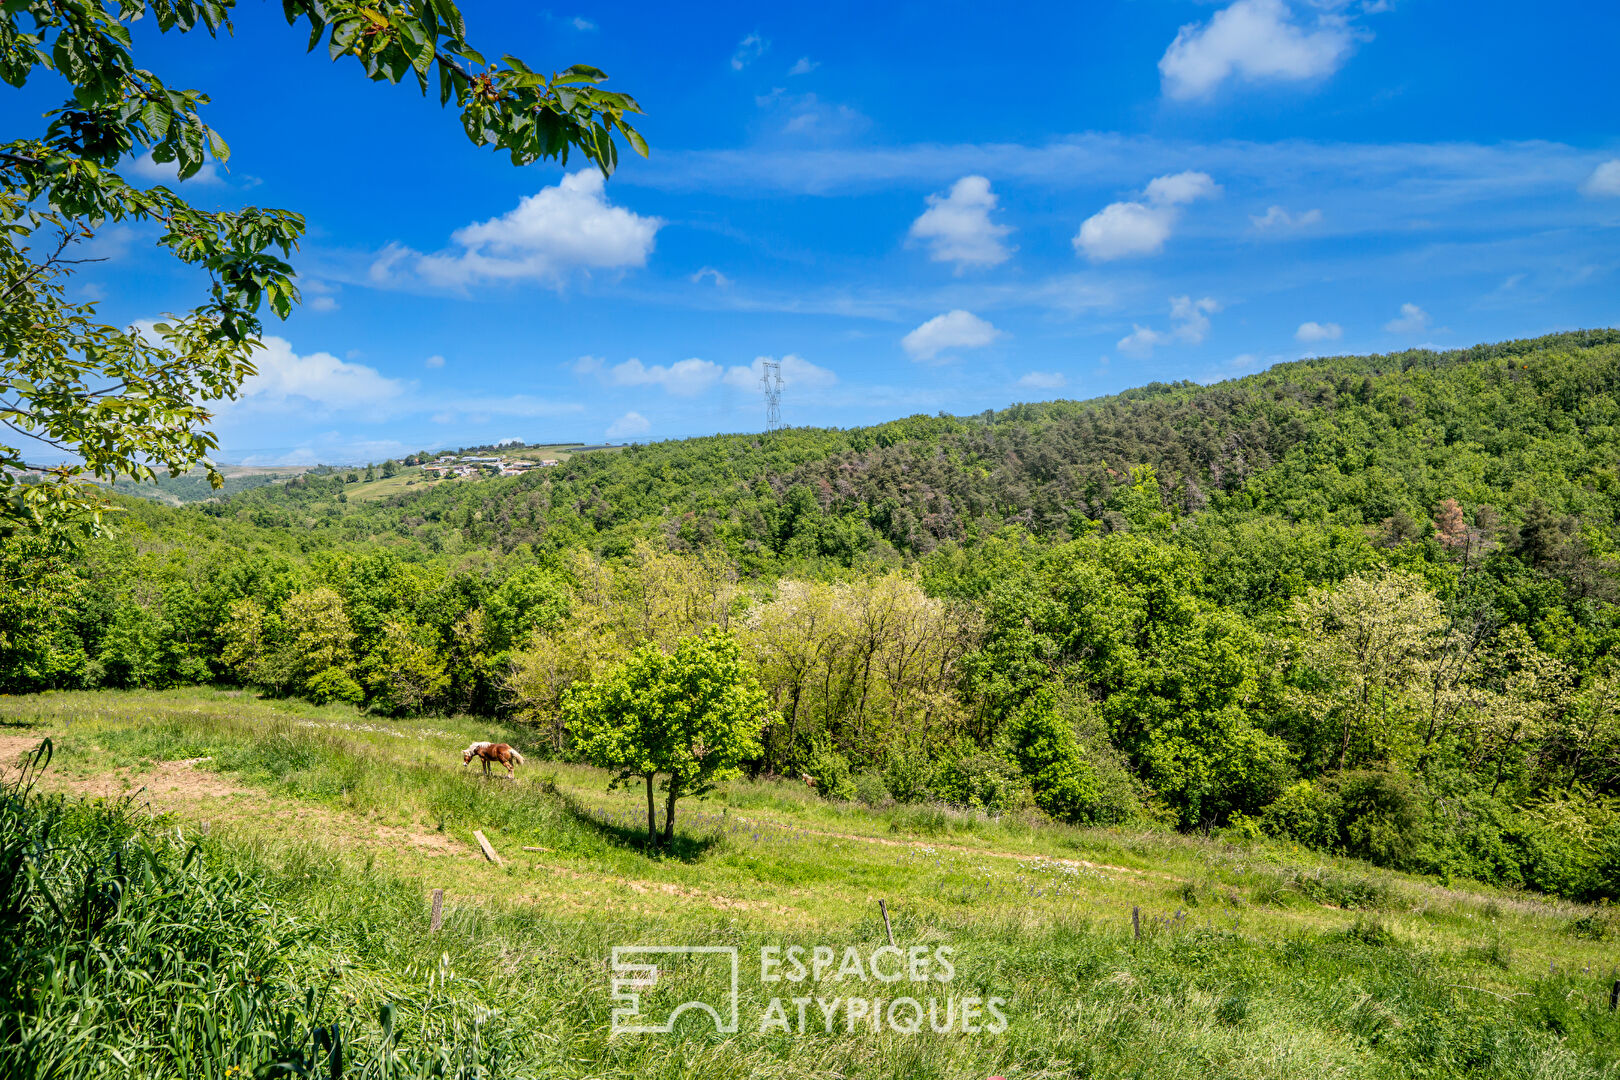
(916, 207)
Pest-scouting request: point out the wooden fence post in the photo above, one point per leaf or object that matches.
(438, 911)
(1136, 922)
(1614, 996)
(890, 930)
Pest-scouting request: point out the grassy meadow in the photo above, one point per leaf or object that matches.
(1253, 960)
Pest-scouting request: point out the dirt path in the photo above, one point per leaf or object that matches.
(963, 849)
(182, 787)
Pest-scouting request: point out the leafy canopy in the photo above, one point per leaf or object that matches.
(126, 402)
(692, 714)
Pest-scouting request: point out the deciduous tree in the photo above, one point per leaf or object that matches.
(124, 402)
(692, 714)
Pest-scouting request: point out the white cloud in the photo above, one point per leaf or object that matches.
(1044, 380)
(957, 226)
(287, 379)
(953, 330)
(809, 117)
(1189, 325)
(749, 49)
(1604, 181)
(804, 66)
(1309, 332)
(550, 233)
(1254, 41)
(158, 172)
(631, 423)
(684, 378)
(581, 23)
(796, 371)
(322, 298)
(434, 361)
(1276, 217)
(720, 280)
(1141, 228)
(1180, 188)
(1412, 320)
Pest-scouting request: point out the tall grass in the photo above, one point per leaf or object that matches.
(130, 952)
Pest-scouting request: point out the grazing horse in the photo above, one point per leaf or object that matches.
(499, 753)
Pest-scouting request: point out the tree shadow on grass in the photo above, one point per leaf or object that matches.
(695, 835)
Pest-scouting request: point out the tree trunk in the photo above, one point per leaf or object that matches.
(669, 813)
(652, 818)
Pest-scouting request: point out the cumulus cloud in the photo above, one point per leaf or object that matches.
(1254, 41)
(1141, 227)
(434, 361)
(1189, 325)
(288, 380)
(684, 378)
(1044, 380)
(159, 172)
(1411, 320)
(1604, 181)
(1310, 332)
(631, 423)
(953, 330)
(796, 371)
(804, 66)
(1276, 217)
(957, 226)
(558, 229)
(749, 49)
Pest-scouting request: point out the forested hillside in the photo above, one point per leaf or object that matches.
(1363, 603)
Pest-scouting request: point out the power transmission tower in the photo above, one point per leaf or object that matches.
(770, 381)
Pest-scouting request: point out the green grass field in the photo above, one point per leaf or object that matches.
(1252, 960)
(413, 479)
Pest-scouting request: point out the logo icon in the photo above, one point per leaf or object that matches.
(632, 978)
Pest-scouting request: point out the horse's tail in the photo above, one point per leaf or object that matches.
(517, 757)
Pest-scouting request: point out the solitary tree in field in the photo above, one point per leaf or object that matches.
(692, 715)
(126, 403)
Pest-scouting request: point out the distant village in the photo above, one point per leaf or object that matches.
(473, 466)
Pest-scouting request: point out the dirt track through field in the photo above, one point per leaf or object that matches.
(182, 787)
(959, 849)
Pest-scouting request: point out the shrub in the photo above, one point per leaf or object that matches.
(830, 770)
(1303, 813)
(870, 790)
(333, 684)
(1381, 816)
(1041, 742)
(906, 775)
(984, 782)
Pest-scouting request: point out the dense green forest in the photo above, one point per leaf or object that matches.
(1365, 604)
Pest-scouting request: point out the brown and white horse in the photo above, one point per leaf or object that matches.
(499, 753)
